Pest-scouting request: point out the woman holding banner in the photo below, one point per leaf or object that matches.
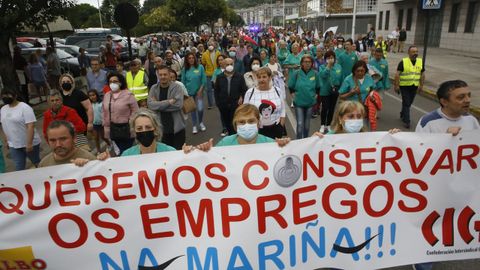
(246, 122)
(148, 134)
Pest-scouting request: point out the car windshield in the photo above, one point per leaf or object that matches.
(63, 54)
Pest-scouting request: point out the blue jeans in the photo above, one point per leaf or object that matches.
(210, 96)
(408, 95)
(20, 155)
(197, 115)
(303, 116)
(424, 266)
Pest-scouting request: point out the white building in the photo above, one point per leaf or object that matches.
(454, 26)
(266, 14)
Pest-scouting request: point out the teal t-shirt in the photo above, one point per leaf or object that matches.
(293, 60)
(365, 87)
(282, 55)
(328, 78)
(347, 60)
(382, 67)
(135, 150)
(194, 78)
(305, 85)
(232, 140)
(217, 72)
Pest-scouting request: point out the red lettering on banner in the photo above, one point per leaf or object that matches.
(360, 161)
(367, 198)
(447, 227)
(39, 264)
(7, 266)
(275, 213)
(351, 203)
(154, 188)
(344, 163)
(228, 218)
(61, 193)
(205, 212)
(392, 160)
(22, 265)
(120, 232)
(14, 208)
(117, 186)
(148, 222)
(298, 204)
(222, 179)
(308, 163)
(246, 178)
(31, 197)
(468, 157)
(82, 228)
(413, 164)
(98, 190)
(176, 180)
(422, 200)
(446, 155)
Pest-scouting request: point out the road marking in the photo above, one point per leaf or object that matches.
(293, 120)
(400, 100)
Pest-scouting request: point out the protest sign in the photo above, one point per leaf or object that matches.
(352, 201)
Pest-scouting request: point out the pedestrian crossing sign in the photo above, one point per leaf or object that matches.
(431, 4)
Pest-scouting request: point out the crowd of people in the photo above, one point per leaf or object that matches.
(252, 79)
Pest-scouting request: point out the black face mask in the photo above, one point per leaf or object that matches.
(414, 56)
(146, 137)
(7, 100)
(67, 86)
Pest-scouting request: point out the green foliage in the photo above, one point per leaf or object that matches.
(150, 5)
(79, 15)
(142, 28)
(160, 17)
(233, 18)
(193, 13)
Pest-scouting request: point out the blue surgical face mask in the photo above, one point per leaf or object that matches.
(353, 126)
(232, 54)
(247, 131)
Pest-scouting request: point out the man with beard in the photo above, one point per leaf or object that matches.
(61, 138)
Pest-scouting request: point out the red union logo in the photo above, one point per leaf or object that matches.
(448, 226)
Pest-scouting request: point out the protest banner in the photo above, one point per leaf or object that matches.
(352, 201)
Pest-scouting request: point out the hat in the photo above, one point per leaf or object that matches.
(268, 102)
(168, 51)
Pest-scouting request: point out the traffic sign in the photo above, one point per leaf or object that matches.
(431, 4)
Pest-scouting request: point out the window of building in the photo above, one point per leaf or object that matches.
(472, 14)
(400, 18)
(387, 19)
(409, 19)
(452, 27)
(347, 4)
(380, 20)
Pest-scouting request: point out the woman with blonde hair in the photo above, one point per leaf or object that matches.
(148, 133)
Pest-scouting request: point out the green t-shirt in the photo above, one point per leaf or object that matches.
(232, 140)
(135, 150)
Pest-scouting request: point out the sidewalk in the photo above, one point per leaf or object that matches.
(444, 65)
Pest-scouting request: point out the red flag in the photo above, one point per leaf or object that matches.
(249, 39)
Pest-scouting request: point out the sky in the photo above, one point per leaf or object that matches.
(95, 3)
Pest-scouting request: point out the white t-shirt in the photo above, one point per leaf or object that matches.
(269, 115)
(14, 123)
(438, 122)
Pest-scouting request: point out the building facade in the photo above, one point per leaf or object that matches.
(454, 26)
(269, 14)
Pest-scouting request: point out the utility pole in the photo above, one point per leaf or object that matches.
(283, 14)
(354, 18)
(99, 14)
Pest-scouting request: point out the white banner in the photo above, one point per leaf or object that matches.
(363, 201)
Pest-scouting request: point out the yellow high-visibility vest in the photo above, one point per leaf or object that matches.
(411, 74)
(136, 85)
(383, 46)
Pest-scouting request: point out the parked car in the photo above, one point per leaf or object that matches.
(74, 50)
(75, 39)
(68, 63)
(92, 45)
(24, 45)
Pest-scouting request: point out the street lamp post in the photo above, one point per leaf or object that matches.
(283, 14)
(99, 14)
(354, 18)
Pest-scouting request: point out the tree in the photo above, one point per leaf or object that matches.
(17, 14)
(161, 18)
(108, 9)
(233, 18)
(194, 13)
(79, 14)
(150, 5)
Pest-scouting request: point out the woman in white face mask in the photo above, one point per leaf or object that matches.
(251, 76)
(349, 118)
(246, 122)
(118, 106)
